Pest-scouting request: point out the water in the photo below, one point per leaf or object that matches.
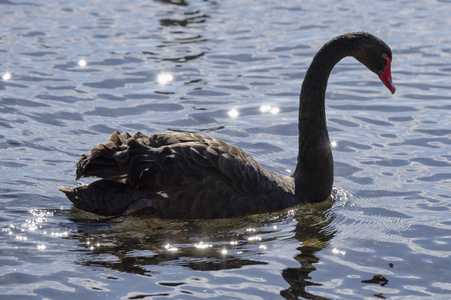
(74, 72)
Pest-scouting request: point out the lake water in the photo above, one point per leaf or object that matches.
(73, 72)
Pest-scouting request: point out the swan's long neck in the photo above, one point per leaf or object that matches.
(314, 172)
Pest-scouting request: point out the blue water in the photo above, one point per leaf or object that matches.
(74, 72)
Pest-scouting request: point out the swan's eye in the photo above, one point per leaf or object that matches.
(387, 59)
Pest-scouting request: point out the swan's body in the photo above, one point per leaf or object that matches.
(184, 175)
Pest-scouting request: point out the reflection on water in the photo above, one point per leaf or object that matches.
(314, 232)
(134, 245)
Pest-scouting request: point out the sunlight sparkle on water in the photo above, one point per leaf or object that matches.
(337, 251)
(165, 78)
(202, 245)
(40, 212)
(275, 110)
(92, 244)
(6, 76)
(254, 238)
(265, 108)
(270, 109)
(170, 248)
(233, 113)
(58, 234)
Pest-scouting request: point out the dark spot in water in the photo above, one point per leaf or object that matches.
(377, 279)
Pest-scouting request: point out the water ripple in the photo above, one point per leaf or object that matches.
(74, 72)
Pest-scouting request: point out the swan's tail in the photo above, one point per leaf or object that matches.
(107, 198)
(103, 160)
(101, 197)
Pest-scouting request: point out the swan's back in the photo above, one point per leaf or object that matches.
(184, 175)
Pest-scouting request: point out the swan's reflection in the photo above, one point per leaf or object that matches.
(134, 245)
(314, 235)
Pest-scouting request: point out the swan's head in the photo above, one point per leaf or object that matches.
(376, 55)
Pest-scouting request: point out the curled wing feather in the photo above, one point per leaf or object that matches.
(144, 162)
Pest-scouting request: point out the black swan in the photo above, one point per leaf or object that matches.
(186, 175)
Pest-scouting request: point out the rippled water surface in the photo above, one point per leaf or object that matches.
(73, 72)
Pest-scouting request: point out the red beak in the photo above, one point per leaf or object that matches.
(385, 76)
